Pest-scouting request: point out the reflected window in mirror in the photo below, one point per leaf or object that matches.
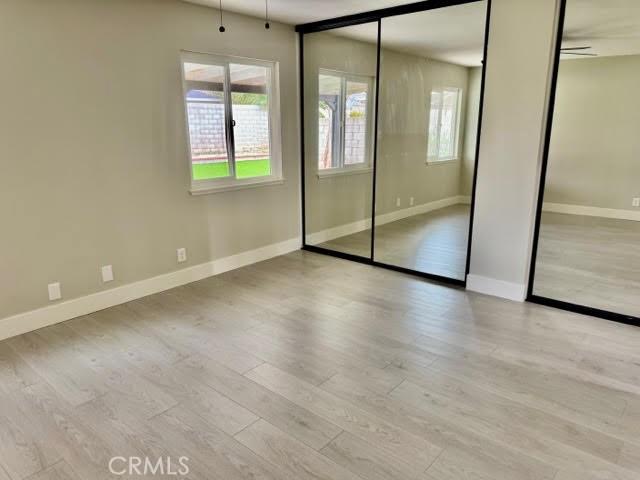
(444, 124)
(344, 121)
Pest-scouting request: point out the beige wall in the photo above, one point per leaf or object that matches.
(99, 175)
(93, 164)
(595, 147)
(470, 131)
(515, 104)
(405, 89)
(405, 97)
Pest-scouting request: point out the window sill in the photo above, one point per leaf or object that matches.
(337, 172)
(443, 161)
(209, 188)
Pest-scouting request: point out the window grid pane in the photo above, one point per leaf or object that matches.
(355, 129)
(434, 124)
(207, 121)
(448, 124)
(250, 112)
(443, 124)
(344, 105)
(329, 113)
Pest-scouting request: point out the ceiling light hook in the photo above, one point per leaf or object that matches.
(221, 29)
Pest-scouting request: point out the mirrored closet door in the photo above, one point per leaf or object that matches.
(391, 103)
(430, 79)
(340, 68)
(588, 232)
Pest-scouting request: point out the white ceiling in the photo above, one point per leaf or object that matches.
(452, 34)
(610, 27)
(456, 34)
(295, 12)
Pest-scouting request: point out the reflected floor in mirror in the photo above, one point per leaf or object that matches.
(434, 242)
(590, 261)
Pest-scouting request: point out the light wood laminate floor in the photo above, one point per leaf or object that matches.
(311, 367)
(433, 242)
(590, 261)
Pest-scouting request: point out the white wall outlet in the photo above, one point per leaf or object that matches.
(182, 255)
(55, 292)
(636, 202)
(107, 273)
(398, 202)
(411, 201)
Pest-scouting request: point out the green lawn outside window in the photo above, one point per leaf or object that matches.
(245, 169)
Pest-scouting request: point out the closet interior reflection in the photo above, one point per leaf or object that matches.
(391, 112)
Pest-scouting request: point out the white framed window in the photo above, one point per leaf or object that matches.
(444, 124)
(232, 110)
(345, 122)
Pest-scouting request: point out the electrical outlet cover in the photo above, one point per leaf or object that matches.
(55, 292)
(636, 202)
(107, 273)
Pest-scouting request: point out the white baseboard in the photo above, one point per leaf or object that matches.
(361, 225)
(418, 209)
(465, 199)
(66, 310)
(337, 232)
(618, 214)
(496, 288)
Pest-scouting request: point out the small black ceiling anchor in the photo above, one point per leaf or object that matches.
(266, 14)
(221, 29)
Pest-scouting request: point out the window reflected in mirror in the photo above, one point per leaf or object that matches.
(430, 87)
(339, 98)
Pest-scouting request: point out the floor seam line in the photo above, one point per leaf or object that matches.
(248, 426)
(391, 391)
(331, 440)
(252, 369)
(328, 379)
(434, 460)
(163, 411)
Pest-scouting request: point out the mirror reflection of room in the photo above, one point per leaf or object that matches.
(429, 87)
(339, 96)
(589, 242)
(430, 80)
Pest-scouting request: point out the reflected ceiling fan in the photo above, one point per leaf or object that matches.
(575, 51)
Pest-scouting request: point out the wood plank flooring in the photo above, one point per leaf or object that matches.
(590, 261)
(311, 367)
(433, 242)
